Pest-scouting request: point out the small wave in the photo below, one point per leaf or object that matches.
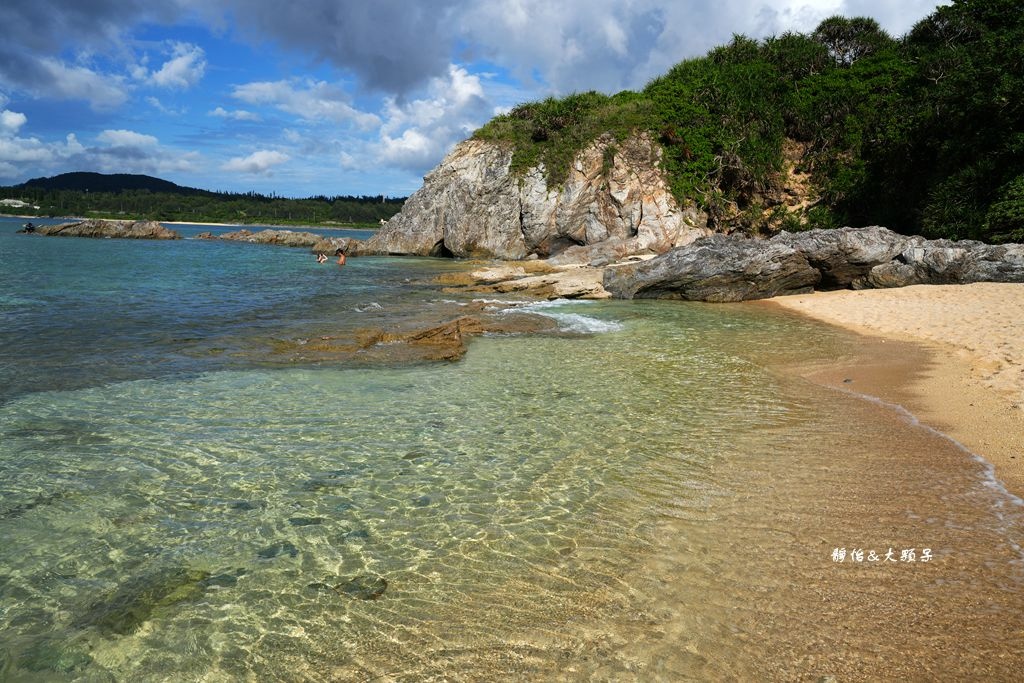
(557, 303)
(503, 305)
(372, 306)
(567, 322)
(583, 324)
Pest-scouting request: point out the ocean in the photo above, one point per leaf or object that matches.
(642, 493)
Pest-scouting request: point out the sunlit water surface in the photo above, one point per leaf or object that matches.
(644, 497)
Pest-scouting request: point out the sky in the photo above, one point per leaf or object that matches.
(332, 97)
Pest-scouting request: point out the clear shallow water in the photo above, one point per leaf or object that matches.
(645, 497)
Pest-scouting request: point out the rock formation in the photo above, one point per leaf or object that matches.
(140, 230)
(435, 342)
(284, 238)
(614, 203)
(734, 268)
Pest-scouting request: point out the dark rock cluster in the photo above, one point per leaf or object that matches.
(734, 268)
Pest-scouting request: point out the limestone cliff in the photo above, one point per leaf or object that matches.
(614, 203)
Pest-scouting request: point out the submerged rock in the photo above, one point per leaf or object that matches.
(246, 505)
(276, 549)
(140, 230)
(733, 268)
(134, 601)
(363, 587)
(353, 535)
(51, 654)
(20, 509)
(445, 341)
(319, 587)
(306, 521)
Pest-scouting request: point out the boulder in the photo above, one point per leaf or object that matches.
(945, 262)
(845, 256)
(734, 268)
(716, 268)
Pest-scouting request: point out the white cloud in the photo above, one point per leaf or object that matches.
(60, 81)
(258, 163)
(17, 153)
(310, 100)
(609, 45)
(127, 138)
(418, 133)
(161, 107)
(347, 161)
(236, 115)
(11, 121)
(185, 68)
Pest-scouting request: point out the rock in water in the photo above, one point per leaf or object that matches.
(285, 238)
(139, 230)
(364, 587)
(51, 654)
(305, 521)
(282, 548)
(134, 601)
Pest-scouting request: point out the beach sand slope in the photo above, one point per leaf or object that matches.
(973, 387)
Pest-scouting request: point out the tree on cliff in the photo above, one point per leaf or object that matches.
(923, 133)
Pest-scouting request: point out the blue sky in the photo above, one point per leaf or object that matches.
(331, 96)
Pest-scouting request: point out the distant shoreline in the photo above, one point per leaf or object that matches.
(268, 226)
(219, 225)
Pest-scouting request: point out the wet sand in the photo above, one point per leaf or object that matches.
(967, 376)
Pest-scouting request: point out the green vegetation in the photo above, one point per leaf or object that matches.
(92, 195)
(923, 134)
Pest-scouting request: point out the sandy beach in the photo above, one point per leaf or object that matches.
(970, 382)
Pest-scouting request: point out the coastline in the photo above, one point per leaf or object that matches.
(270, 225)
(216, 225)
(952, 355)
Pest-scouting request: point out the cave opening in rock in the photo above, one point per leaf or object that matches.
(440, 250)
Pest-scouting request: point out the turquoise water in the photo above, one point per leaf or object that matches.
(180, 502)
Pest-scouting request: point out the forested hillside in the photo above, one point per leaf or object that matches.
(94, 195)
(923, 133)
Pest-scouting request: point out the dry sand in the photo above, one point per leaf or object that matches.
(971, 383)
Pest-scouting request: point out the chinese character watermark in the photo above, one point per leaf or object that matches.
(857, 556)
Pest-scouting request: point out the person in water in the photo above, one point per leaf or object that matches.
(341, 256)
(321, 257)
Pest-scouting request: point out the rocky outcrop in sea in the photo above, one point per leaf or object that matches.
(284, 238)
(615, 202)
(734, 268)
(139, 230)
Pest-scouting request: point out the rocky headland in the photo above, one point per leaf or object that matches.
(615, 202)
(139, 230)
(613, 228)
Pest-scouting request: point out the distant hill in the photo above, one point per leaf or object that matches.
(113, 182)
(123, 195)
